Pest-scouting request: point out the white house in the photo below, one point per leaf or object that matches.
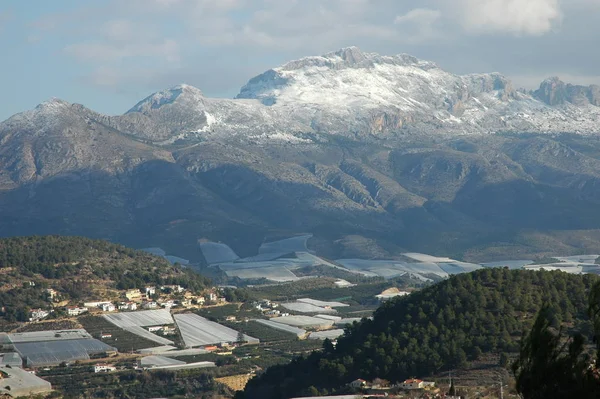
(174, 288)
(104, 368)
(412, 383)
(127, 306)
(38, 314)
(150, 290)
(95, 304)
(75, 311)
(107, 307)
(155, 328)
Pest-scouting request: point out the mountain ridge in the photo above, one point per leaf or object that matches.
(180, 166)
(363, 95)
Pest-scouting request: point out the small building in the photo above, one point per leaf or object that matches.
(186, 302)
(230, 318)
(168, 304)
(210, 348)
(150, 305)
(105, 335)
(38, 314)
(75, 311)
(95, 304)
(17, 382)
(412, 383)
(358, 383)
(133, 294)
(211, 297)
(150, 290)
(155, 328)
(104, 368)
(127, 306)
(173, 288)
(108, 307)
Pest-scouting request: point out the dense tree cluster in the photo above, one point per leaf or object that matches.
(73, 265)
(438, 328)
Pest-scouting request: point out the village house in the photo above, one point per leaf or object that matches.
(155, 328)
(127, 306)
(133, 294)
(173, 288)
(168, 330)
(168, 304)
(150, 291)
(150, 305)
(211, 297)
(415, 383)
(105, 335)
(75, 311)
(107, 307)
(186, 302)
(104, 368)
(95, 304)
(38, 314)
(230, 318)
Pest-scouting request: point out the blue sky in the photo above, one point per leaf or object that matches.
(109, 54)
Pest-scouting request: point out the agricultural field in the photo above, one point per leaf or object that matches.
(124, 341)
(135, 321)
(198, 331)
(287, 330)
(266, 332)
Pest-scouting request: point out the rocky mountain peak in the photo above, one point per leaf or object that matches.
(169, 96)
(554, 91)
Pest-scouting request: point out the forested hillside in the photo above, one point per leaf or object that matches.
(77, 268)
(436, 329)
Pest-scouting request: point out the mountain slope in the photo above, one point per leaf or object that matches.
(348, 146)
(78, 269)
(439, 328)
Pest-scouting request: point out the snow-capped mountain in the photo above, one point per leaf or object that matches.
(358, 94)
(374, 155)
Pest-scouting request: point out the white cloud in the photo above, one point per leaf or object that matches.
(519, 17)
(420, 22)
(197, 36)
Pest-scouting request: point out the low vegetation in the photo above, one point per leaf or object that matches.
(78, 269)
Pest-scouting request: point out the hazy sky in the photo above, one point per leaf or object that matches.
(108, 54)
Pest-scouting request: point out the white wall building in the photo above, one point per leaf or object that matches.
(104, 368)
(75, 311)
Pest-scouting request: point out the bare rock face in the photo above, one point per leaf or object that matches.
(553, 92)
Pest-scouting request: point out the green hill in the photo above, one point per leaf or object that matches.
(436, 329)
(78, 269)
